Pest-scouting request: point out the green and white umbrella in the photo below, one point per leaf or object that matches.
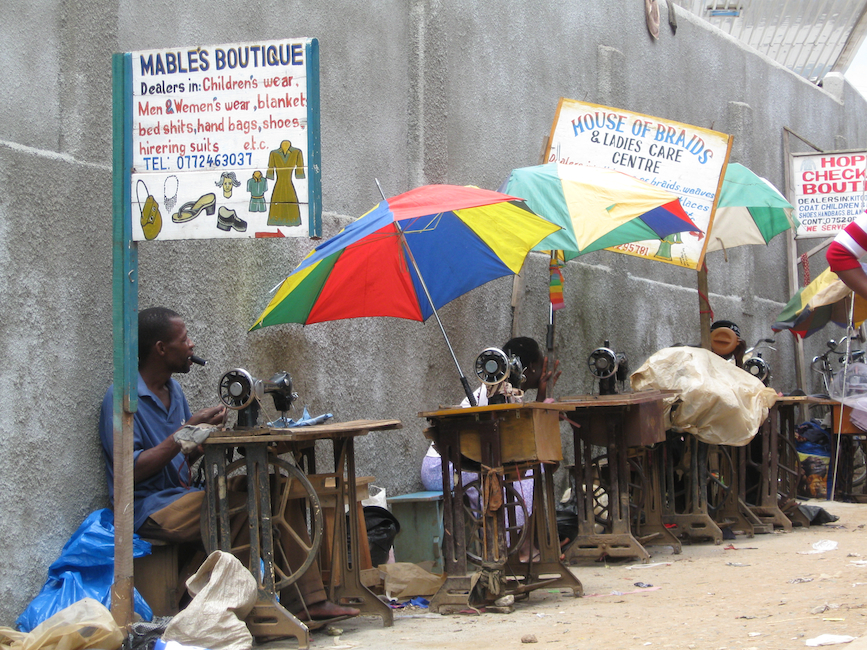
(750, 211)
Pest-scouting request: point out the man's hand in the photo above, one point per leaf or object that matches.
(153, 460)
(547, 379)
(211, 415)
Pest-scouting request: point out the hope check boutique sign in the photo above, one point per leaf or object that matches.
(686, 160)
(225, 141)
(829, 190)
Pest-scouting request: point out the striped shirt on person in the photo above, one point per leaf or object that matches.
(849, 246)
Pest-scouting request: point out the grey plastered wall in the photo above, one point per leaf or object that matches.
(418, 92)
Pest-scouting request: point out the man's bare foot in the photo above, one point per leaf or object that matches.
(325, 609)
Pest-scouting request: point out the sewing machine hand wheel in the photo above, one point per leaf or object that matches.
(296, 518)
(602, 363)
(758, 368)
(476, 530)
(494, 366)
(237, 389)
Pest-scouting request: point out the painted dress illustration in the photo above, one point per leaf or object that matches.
(282, 163)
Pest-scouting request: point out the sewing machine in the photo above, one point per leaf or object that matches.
(609, 367)
(502, 375)
(277, 465)
(239, 391)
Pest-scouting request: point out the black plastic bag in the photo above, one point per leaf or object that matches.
(382, 528)
(817, 515)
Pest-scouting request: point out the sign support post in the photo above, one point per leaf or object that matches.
(125, 341)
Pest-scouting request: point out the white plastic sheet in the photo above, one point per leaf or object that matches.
(830, 639)
(716, 401)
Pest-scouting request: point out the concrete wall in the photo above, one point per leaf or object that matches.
(413, 92)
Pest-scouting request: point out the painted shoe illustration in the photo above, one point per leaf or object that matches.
(190, 210)
(228, 219)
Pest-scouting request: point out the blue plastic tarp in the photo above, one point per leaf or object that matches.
(85, 569)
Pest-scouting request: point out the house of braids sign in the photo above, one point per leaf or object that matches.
(686, 160)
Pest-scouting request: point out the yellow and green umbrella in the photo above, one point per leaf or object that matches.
(597, 208)
(825, 300)
(750, 211)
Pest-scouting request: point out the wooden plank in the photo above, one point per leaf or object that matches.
(491, 408)
(624, 399)
(302, 434)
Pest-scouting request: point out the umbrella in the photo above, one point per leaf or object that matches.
(409, 256)
(750, 211)
(597, 208)
(825, 299)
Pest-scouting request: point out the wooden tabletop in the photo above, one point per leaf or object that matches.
(303, 433)
(624, 399)
(804, 399)
(455, 411)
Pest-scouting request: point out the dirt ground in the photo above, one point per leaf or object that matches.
(768, 591)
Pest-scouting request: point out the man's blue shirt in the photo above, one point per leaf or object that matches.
(152, 423)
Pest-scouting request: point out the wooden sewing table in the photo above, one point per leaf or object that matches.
(259, 445)
(498, 439)
(766, 472)
(623, 424)
(845, 467)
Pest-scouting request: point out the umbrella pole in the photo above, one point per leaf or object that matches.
(849, 327)
(464, 381)
(549, 338)
(466, 384)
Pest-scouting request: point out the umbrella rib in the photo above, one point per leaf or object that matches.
(426, 228)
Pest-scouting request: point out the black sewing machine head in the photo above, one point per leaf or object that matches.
(241, 392)
(493, 367)
(608, 367)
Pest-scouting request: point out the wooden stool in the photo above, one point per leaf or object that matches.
(326, 490)
(157, 578)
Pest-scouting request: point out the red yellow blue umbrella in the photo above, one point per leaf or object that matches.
(409, 256)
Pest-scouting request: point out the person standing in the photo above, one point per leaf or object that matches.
(845, 252)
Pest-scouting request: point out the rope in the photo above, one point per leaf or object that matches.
(707, 302)
(492, 489)
(805, 263)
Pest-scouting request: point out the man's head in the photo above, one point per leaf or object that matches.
(530, 354)
(163, 339)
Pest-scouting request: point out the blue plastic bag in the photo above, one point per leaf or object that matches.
(85, 569)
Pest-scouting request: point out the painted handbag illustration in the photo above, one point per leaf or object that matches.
(151, 219)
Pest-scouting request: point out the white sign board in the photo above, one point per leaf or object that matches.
(221, 141)
(828, 191)
(686, 160)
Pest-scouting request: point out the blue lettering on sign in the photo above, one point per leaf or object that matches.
(246, 56)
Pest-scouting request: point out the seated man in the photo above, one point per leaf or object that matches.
(166, 504)
(536, 376)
